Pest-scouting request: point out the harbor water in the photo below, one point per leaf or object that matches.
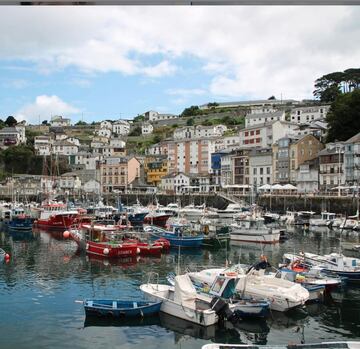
(46, 276)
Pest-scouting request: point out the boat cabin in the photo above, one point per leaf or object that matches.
(327, 216)
(254, 224)
(224, 285)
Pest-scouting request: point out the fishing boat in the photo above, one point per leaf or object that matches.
(182, 301)
(120, 308)
(179, 235)
(337, 263)
(270, 217)
(157, 217)
(101, 240)
(136, 214)
(150, 248)
(322, 345)
(192, 211)
(252, 229)
(56, 216)
(20, 223)
(282, 295)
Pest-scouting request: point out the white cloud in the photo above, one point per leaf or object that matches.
(16, 83)
(44, 107)
(246, 51)
(183, 92)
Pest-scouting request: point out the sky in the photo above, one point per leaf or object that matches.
(95, 63)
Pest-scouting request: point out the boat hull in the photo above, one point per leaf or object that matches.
(56, 222)
(263, 239)
(120, 309)
(157, 293)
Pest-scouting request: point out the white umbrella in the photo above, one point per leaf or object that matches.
(265, 187)
(277, 187)
(289, 187)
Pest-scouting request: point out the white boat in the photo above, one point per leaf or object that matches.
(322, 345)
(252, 229)
(282, 294)
(181, 301)
(348, 267)
(326, 219)
(349, 224)
(230, 211)
(192, 211)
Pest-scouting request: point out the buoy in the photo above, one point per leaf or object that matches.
(7, 257)
(138, 250)
(106, 251)
(66, 234)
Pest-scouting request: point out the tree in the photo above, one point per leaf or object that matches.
(45, 122)
(191, 111)
(81, 123)
(136, 131)
(10, 121)
(330, 86)
(344, 117)
(213, 105)
(272, 98)
(190, 122)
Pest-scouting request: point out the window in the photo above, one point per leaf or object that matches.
(268, 170)
(251, 133)
(246, 133)
(255, 170)
(257, 132)
(261, 170)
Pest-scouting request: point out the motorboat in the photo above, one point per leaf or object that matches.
(282, 295)
(270, 217)
(326, 219)
(183, 301)
(157, 216)
(224, 286)
(252, 229)
(337, 263)
(192, 211)
(231, 210)
(297, 218)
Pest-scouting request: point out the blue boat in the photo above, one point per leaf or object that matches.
(120, 309)
(20, 223)
(179, 236)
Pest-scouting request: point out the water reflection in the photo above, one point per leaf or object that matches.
(47, 274)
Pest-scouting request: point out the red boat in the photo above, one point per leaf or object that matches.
(157, 217)
(150, 249)
(55, 216)
(102, 240)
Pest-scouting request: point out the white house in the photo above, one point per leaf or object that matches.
(92, 187)
(152, 115)
(104, 132)
(262, 118)
(121, 127)
(60, 136)
(147, 128)
(59, 121)
(9, 136)
(106, 124)
(64, 148)
(21, 129)
(42, 145)
(117, 143)
(70, 182)
(174, 182)
(73, 140)
(87, 160)
(305, 115)
(209, 131)
(262, 109)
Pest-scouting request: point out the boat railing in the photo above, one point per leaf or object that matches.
(152, 275)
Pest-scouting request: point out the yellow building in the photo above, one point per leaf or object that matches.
(155, 168)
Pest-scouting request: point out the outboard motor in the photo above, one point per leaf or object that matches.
(222, 310)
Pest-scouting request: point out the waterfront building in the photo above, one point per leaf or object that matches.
(59, 121)
(174, 182)
(92, 187)
(113, 174)
(240, 167)
(307, 179)
(331, 166)
(226, 172)
(155, 168)
(289, 153)
(303, 115)
(352, 161)
(70, 183)
(260, 167)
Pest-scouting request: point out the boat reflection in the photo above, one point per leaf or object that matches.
(96, 321)
(291, 319)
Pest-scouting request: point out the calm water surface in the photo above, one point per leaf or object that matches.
(46, 275)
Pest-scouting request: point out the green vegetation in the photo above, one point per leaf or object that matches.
(344, 116)
(139, 118)
(330, 86)
(191, 111)
(190, 122)
(10, 121)
(136, 131)
(30, 136)
(81, 123)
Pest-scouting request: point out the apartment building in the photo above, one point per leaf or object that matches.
(155, 168)
(304, 115)
(260, 167)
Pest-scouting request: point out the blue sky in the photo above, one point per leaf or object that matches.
(116, 62)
